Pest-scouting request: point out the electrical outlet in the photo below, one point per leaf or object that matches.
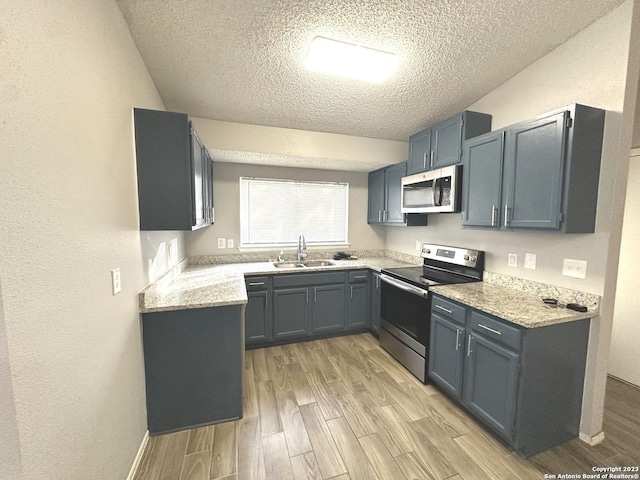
(574, 268)
(221, 243)
(530, 261)
(513, 260)
(418, 245)
(230, 243)
(116, 284)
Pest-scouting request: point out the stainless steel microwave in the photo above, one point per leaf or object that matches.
(433, 191)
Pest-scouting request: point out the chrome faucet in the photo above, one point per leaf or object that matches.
(302, 245)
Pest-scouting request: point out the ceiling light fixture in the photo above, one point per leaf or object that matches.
(349, 60)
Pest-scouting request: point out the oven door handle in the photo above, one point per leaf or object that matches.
(404, 286)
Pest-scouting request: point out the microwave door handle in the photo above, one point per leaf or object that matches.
(433, 192)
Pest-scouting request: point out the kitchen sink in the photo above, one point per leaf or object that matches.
(309, 263)
(288, 265)
(318, 263)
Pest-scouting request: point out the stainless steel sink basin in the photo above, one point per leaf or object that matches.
(288, 265)
(318, 263)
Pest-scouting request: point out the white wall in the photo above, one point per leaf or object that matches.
(256, 144)
(227, 200)
(625, 336)
(71, 74)
(590, 68)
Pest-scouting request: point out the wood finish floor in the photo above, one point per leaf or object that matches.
(342, 408)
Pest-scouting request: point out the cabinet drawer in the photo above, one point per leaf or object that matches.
(448, 309)
(495, 329)
(295, 280)
(359, 276)
(256, 283)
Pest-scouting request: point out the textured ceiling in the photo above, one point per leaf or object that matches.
(243, 60)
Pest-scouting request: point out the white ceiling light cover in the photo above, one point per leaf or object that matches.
(352, 61)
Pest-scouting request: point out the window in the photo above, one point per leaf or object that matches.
(273, 213)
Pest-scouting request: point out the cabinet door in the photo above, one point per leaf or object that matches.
(419, 152)
(197, 180)
(482, 181)
(533, 173)
(446, 142)
(376, 196)
(358, 305)
(491, 383)
(290, 312)
(208, 188)
(446, 354)
(328, 309)
(258, 318)
(393, 211)
(374, 306)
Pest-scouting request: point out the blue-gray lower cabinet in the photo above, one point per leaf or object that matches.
(258, 317)
(525, 384)
(447, 354)
(374, 306)
(290, 312)
(194, 362)
(327, 309)
(358, 302)
(308, 303)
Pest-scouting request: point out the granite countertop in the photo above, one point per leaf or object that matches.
(201, 286)
(524, 309)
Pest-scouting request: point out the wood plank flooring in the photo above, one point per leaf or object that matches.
(342, 408)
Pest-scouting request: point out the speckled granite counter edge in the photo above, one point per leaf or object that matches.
(543, 290)
(159, 295)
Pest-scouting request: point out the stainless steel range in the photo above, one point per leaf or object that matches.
(405, 305)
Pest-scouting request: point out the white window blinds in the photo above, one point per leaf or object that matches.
(275, 212)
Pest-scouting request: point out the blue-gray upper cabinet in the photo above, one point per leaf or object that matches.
(175, 173)
(482, 180)
(549, 178)
(385, 198)
(441, 144)
(377, 193)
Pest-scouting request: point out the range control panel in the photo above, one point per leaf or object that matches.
(458, 256)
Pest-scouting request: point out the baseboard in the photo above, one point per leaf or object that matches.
(136, 461)
(594, 440)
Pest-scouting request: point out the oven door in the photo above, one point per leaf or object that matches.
(406, 311)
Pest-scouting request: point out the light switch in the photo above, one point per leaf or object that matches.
(116, 285)
(230, 243)
(221, 243)
(530, 261)
(513, 260)
(574, 268)
(418, 245)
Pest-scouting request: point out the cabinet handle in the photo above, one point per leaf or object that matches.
(431, 162)
(506, 214)
(380, 216)
(307, 296)
(469, 345)
(351, 293)
(377, 282)
(443, 309)
(457, 339)
(255, 284)
(384, 216)
(493, 216)
(424, 160)
(490, 329)
(315, 295)
(360, 276)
